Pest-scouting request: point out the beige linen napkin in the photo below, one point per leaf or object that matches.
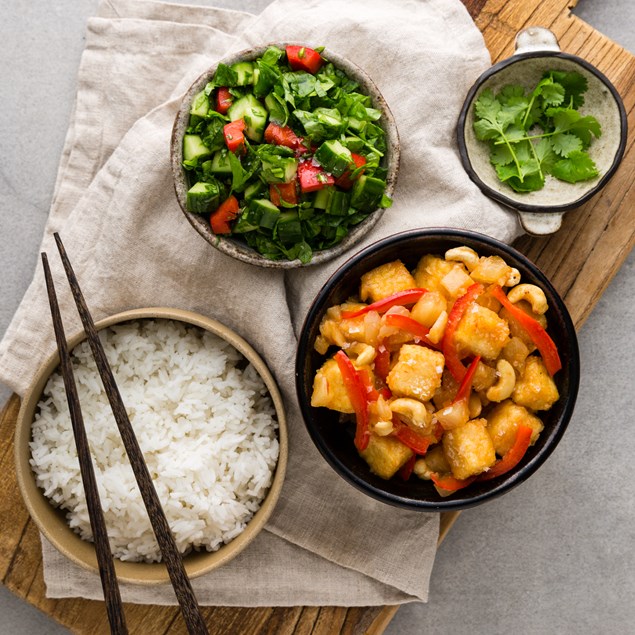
(115, 208)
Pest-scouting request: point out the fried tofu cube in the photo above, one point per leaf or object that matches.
(329, 390)
(417, 373)
(535, 389)
(491, 270)
(503, 422)
(469, 449)
(431, 270)
(386, 455)
(481, 332)
(385, 280)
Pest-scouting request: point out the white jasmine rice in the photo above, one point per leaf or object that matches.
(205, 423)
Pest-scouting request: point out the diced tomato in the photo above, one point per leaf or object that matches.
(224, 100)
(302, 58)
(284, 191)
(344, 181)
(234, 137)
(226, 212)
(313, 177)
(284, 136)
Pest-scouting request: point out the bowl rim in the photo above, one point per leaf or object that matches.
(50, 520)
(506, 200)
(243, 252)
(458, 500)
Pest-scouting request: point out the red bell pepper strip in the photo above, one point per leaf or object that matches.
(284, 136)
(417, 442)
(452, 360)
(405, 323)
(512, 456)
(302, 58)
(344, 181)
(449, 483)
(534, 329)
(406, 471)
(313, 177)
(381, 306)
(234, 137)
(382, 362)
(466, 385)
(357, 394)
(224, 100)
(284, 191)
(224, 214)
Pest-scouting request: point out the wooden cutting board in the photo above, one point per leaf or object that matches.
(580, 259)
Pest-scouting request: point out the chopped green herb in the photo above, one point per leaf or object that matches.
(538, 133)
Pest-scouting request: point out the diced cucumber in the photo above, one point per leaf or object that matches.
(255, 190)
(254, 115)
(289, 228)
(367, 193)
(277, 107)
(356, 125)
(339, 203)
(220, 163)
(264, 78)
(268, 219)
(263, 213)
(353, 143)
(194, 148)
(244, 73)
(279, 169)
(203, 197)
(200, 105)
(334, 157)
(321, 200)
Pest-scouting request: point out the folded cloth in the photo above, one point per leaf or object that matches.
(131, 246)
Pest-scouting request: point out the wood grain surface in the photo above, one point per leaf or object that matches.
(580, 259)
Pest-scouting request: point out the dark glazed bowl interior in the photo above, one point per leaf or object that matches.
(601, 100)
(335, 440)
(239, 249)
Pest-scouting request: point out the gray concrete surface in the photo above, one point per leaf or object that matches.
(553, 556)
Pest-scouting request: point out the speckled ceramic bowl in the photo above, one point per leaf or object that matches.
(239, 249)
(51, 521)
(335, 440)
(537, 51)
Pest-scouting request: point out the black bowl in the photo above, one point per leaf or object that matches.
(335, 441)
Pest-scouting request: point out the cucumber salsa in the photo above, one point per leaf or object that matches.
(284, 153)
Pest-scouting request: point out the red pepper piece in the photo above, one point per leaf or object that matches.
(466, 385)
(284, 136)
(406, 471)
(451, 484)
(284, 191)
(382, 362)
(357, 394)
(405, 323)
(534, 329)
(224, 214)
(313, 177)
(234, 137)
(418, 443)
(224, 100)
(381, 306)
(302, 58)
(512, 456)
(452, 360)
(344, 181)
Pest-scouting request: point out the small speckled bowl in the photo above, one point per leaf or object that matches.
(51, 521)
(239, 249)
(537, 51)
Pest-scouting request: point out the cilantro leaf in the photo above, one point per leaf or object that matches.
(565, 143)
(578, 166)
(574, 84)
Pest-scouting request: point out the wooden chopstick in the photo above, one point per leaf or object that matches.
(171, 555)
(114, 607)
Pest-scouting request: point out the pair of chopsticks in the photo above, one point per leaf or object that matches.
(171, 556)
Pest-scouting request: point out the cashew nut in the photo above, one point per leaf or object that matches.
(533, 294)
(413, 411)
(365, 353)
(513, 279)
(463, 254)
(505, 383)
(383, 428)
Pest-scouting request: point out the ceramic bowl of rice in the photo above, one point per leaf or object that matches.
(209, 419)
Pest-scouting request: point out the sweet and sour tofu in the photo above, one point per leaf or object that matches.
(385, 280)
(417, 373)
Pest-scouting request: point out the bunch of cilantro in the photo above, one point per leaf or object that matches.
(532, 134)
